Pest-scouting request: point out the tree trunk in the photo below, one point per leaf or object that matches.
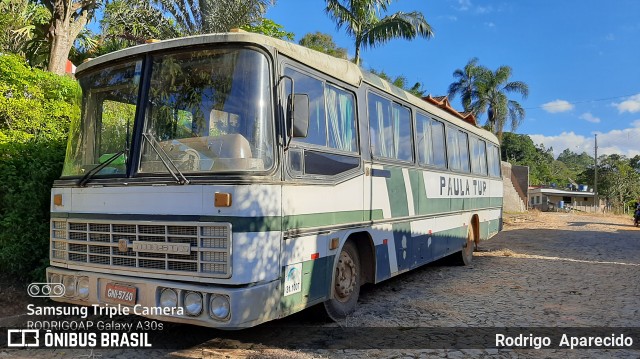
(68, 18)
(59, 47)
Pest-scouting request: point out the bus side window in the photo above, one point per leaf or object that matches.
(425, 144)
(478, 157)
(341, 118)
(390, 128)
(305, 84)
(439, 150)
(463, 142)
(453, 149)
(494, 161)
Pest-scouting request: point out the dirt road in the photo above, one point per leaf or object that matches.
(544, 270)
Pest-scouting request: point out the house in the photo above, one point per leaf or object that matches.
(551, 199)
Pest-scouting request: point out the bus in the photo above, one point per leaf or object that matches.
(226, 180)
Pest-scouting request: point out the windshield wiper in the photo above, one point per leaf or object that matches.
(166, 160)
(92, 172)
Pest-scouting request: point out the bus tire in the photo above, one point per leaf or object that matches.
(345, 289)
(465, 256)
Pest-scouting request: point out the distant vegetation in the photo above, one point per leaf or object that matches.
(618, 176)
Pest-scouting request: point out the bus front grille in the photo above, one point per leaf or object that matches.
(201, 248)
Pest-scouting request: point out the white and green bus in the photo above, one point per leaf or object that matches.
(230, 179)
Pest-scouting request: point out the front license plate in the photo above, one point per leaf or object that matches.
(120, 293)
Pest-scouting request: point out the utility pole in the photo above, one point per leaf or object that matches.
(595, 181)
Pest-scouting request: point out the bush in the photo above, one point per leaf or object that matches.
(36, 108)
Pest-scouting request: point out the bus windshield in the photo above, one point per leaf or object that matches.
(206, 111)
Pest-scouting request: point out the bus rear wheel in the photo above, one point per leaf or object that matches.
(346, 284)
(465, 256)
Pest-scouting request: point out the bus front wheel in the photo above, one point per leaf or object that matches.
(346, 284)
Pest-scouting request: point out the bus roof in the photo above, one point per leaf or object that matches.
(342, 69)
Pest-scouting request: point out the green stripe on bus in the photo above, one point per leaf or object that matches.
(316, 282)
(419, 191)
(329, 218)
(397, 193)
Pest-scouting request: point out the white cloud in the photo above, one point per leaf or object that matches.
(557, 106)
(490, 24)
(464, 5)
(589, 118)
(623, 142)
(449, 17)
(631, 105)
(484, 9)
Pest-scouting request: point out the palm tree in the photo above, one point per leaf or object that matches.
(360, 18)
(481, 90)
(206, 16)
(492, 90)
(465, 86)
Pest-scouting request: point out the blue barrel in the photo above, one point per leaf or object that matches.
(561, 204)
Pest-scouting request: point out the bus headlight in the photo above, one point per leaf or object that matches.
(193, 303)
(69, 283)
(83, 287)
(55, 278)
(168, 298)
(219, 307)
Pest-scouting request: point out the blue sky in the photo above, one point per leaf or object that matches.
(581, 60)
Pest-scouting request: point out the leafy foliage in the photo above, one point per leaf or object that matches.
(270, 28)
(361, 19)
(618, 180)
(23, 30)
(132, 22)
(483, 90)
(520, 150)
(401, 82)
(323, 42)
(35, 110)
(208, 16)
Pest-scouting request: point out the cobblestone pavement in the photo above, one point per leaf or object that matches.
(543, 270)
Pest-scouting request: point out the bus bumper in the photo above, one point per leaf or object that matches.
(246, 306)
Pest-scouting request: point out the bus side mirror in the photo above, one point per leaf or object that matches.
(299, 115)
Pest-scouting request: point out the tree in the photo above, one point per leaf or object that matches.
(361, 21)
(35, 111)
(23, 30)
(125, 23)
(207, 16)
(543, 169)
(484, 90)
(323, 42)
(224, 15)
(492, 90)
(618, 181)
(575, 162)
(68, 18)
(465, 86)
(135, 21)
(401, 82)
(270, 28)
